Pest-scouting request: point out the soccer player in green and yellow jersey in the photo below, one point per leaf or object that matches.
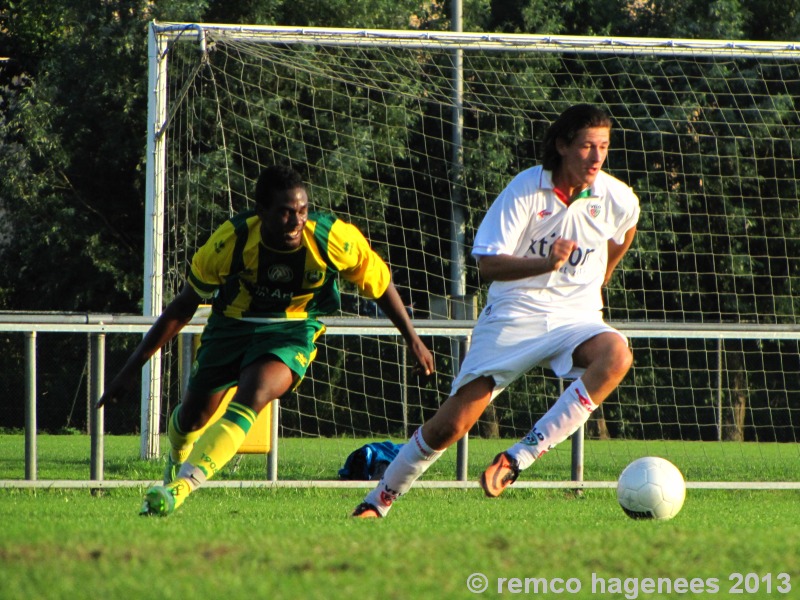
(269, 274)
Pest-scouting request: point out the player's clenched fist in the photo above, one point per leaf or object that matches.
(559, 252)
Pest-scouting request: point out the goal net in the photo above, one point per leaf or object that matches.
(411, 135)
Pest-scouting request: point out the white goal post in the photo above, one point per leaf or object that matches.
(411, 135)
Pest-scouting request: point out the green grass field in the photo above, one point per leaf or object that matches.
(300, 543)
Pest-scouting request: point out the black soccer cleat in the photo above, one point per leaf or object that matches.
(365, 510)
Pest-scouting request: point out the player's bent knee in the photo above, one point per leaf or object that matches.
(613, 361)
(625, 359)
(617, 349)
(620, 360)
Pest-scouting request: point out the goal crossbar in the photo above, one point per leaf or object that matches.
(484, 41)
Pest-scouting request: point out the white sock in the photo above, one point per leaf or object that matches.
(571, 410)
(194, 475)
(410, 463)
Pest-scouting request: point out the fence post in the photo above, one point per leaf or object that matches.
(30, 405)
(720, 356)
(97, 386)
(577, 454)
(272, 455)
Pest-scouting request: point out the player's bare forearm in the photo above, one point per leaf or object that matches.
(392, 306)
(616, 252)
(174, 318)
(504, 267)
(425, 364)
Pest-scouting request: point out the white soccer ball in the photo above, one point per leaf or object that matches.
(651, 488)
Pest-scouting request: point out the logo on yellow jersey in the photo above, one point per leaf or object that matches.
(314, 276)
(280, 273)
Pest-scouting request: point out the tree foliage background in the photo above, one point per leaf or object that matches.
(72, 123)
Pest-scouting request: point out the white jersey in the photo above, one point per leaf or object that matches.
(528, 216)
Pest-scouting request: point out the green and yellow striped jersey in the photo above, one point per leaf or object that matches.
(248, 280)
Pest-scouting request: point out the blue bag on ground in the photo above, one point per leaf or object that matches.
(370, 461)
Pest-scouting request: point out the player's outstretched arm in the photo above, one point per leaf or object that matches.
(392, 306)
(175, 316)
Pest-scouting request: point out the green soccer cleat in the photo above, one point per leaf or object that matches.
(158, 501)
(171, 469)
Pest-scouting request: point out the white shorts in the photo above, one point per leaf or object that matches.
(506, 348)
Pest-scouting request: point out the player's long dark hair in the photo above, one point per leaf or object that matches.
(276, 178)
(567, 126)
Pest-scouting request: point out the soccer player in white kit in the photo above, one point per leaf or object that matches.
(548, 244)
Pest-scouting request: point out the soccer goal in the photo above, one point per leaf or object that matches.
(411, 135)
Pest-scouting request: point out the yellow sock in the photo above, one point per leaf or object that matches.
(218, 444)
(181, 443)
